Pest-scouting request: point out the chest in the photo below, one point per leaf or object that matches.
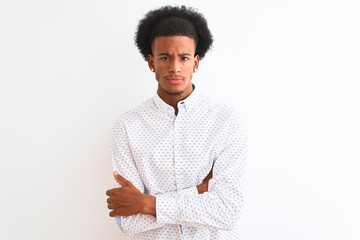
(175, 153)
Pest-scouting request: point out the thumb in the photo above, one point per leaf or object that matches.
(120, 179)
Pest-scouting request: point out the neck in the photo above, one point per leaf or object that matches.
(172, 99)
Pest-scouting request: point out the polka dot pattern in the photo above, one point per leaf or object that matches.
(168, 155)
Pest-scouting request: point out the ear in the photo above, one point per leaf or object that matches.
(196, 62)
(150, 60)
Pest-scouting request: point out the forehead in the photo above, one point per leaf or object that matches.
(168, 44)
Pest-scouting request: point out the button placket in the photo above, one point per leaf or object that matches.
(177, 153)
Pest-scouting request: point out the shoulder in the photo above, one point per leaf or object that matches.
(219, 107)
(135, 113)
(222, 113)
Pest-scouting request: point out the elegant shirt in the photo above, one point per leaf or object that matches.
(168, 155)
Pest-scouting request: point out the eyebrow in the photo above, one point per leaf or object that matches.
(167, 54)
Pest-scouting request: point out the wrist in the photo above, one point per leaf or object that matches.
(148, 204)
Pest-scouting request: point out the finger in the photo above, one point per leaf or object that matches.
(110, 206)
(108, 192)
(111, 214)
(208, 177)
(108, 200)
(120, 179)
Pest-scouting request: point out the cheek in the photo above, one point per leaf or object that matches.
(191, 75)
(157, 76)
(191, 65)
(190, 69)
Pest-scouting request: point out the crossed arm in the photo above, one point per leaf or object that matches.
(215, 203)
(128, 200)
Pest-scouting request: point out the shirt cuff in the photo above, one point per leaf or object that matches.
(166, 208)
(118, 222)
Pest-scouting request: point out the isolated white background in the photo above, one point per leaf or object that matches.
(69, 68)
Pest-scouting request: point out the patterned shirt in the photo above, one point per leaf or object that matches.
(168, 155)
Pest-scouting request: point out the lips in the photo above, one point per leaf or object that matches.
(174, 80)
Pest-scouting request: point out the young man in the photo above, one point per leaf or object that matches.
(178, 157)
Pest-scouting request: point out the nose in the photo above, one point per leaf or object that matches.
(174, 66)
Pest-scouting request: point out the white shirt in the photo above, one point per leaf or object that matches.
(168, 155)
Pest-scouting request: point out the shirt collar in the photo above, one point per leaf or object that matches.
(190, 102)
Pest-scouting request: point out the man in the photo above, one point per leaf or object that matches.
(178, 157)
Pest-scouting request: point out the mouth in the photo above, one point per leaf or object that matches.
(174, 80)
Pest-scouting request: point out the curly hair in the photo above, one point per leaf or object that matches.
(173, 21)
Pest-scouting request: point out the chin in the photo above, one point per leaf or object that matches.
(175, 93)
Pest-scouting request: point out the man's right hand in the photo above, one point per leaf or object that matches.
(203, 187)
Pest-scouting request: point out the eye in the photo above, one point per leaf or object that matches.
(164, 58)
(185, 58)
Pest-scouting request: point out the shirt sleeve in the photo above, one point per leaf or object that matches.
(221, 206)
(124, 164)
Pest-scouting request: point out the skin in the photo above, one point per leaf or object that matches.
(128, 200)
(174, 61)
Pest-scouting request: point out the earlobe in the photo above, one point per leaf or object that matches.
(151, 62)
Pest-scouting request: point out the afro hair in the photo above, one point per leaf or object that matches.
(173, 21)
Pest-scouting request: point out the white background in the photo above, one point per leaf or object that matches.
(69, 68)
